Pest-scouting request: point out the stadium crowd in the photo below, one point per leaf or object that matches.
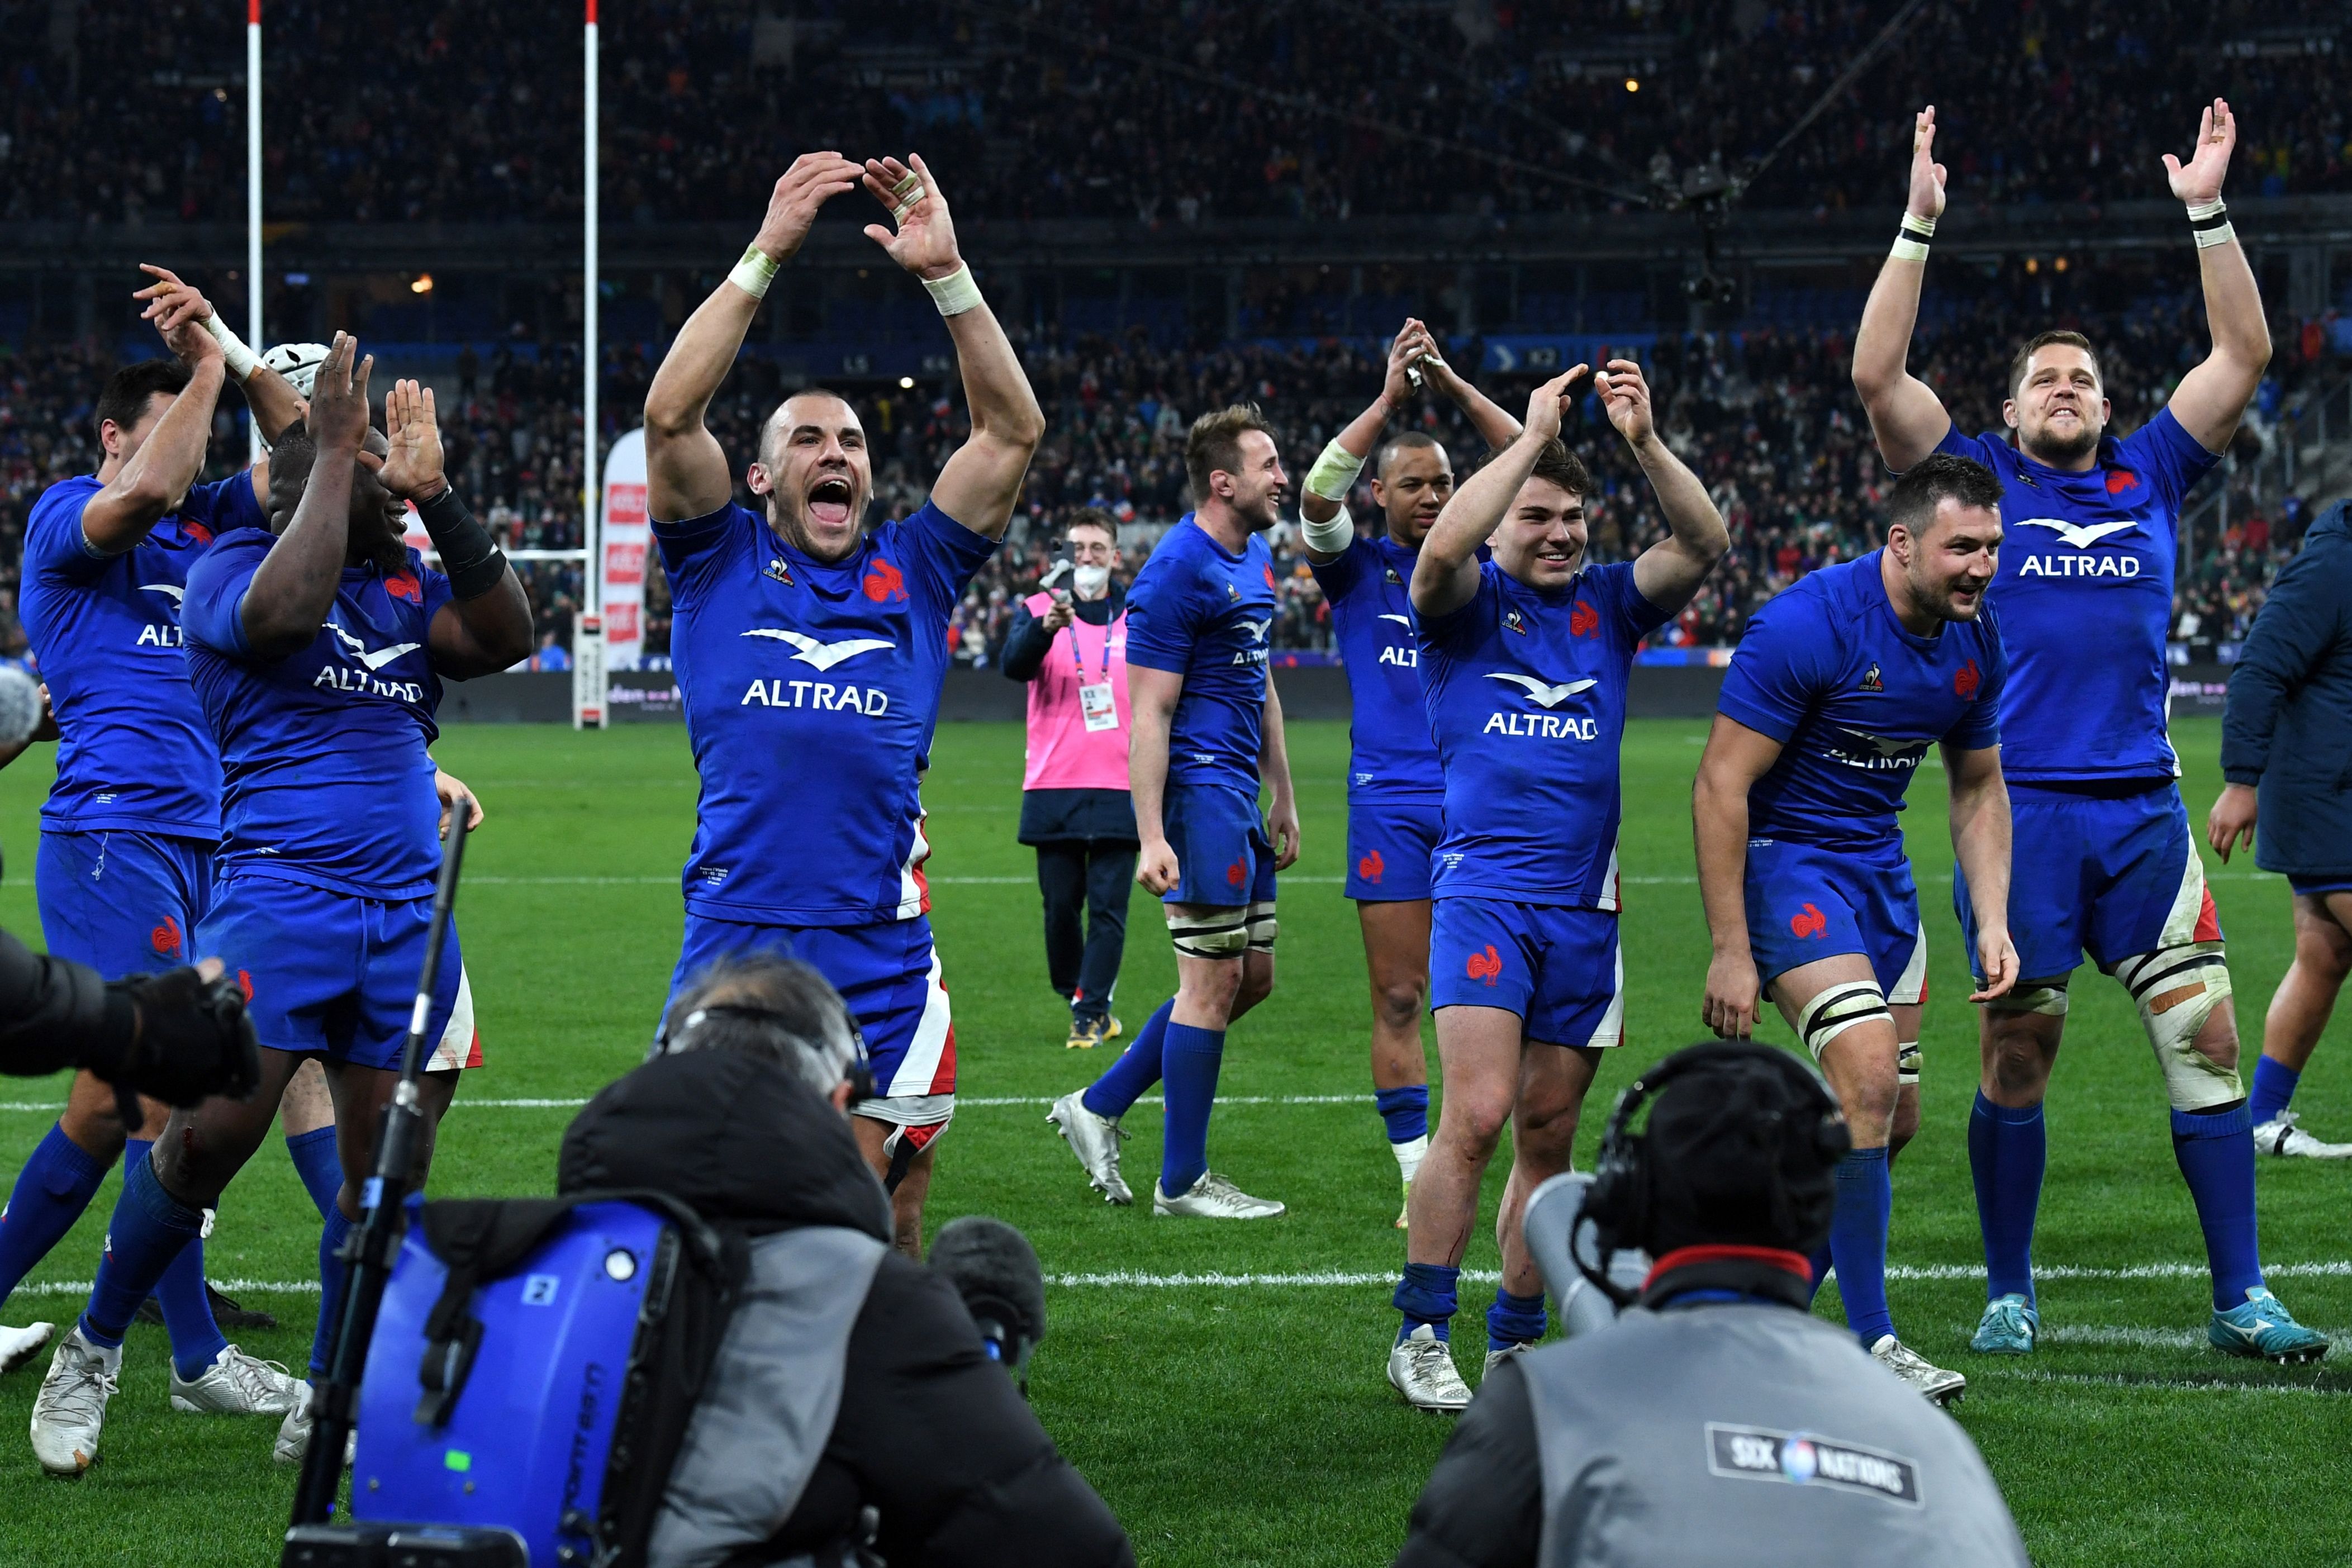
(1068, 110)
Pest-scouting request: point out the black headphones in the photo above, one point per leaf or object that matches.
(1617, 1204)
(841, 1051)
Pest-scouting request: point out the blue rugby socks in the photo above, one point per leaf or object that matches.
(2007, 1149)
(1865, 1199)
(149, 1227)
(330, 1288)
(1514, 1319)
(316, 1161)
(1189, 1062)
(1137, 1070)
(1405, 1112)
(57, 1183)
(1426, 1295)
(196, 1338)
(2274, 1089)
(2215, 1151)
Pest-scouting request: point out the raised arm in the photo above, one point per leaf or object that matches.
(2212, 398)
(686, 471)
(1322, 501)
(982, 481)
(1669, 571)
(486, 627)
(274, 401)
(1494, 423)
(294, 587)
(1151, 706)
(1980, 840)
(1273, 768)
(1905, 415)
(153, 480)
(1735, 758)
(1445, 577)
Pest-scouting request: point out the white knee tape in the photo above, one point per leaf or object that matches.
(2047, 1000)
(2177, 989)
(1908, 1058)
(1262, 927)
(1838, 1009)
(1221, 934)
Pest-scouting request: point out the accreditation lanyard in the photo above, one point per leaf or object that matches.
(1097, 704)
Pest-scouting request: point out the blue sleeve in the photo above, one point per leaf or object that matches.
(1164, 614)
(1339, 576)
(1980, 727)
(225, 504)
(1634, 612)
(209, 613)
(2166, 456)
(53, 541)
(1468, 626)
(1777, 668)
(693, 551)
(436, 586)
(1975, 448)
(941, 556)
(2295, 627)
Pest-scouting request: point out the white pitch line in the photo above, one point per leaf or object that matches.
(965, 1102)
(2161, 1384)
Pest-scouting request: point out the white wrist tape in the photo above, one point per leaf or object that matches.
(1329, 538)
(241, 361)
(753, 273)
(1334, 470)
(1911, 238)
(955, 293)
(2210, 221)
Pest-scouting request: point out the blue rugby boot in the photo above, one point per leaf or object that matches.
(2009, 1327)
(2264, 1327)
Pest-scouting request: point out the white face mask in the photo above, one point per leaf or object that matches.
(1089, 581)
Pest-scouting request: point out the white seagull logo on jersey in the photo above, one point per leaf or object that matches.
(1257, 630)
(1400, 620)
(2082, 536)
(1545, 696)
(820, 655)
(1888, 745)
(378, 659)
(175, 594)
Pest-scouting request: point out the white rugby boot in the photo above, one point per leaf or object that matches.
(1934, 1384)
(69, 1411)
(294, 1434)
(1497, 1358)
(238, 1384)
(18, 1346)
(1095, 1141)
(2282, 1137)
(1421, 1367)
(1213, 1197)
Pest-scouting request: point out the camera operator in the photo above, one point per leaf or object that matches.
(1070, 649)
(835, 1339)
(1716, 1421)
(177, 1037)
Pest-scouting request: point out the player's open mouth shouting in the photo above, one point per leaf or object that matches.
(829, 502)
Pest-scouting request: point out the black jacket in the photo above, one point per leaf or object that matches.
(56, 1014)
(1066, 816)
(931, 1433)
(1028, 642)
(2288, 725)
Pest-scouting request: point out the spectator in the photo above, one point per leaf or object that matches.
(550, 654)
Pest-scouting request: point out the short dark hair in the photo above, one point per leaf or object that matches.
(1736, 1156)
(1215, 442)
(127, 390)
(1395, 444)
(1556, 464)
(771, 1006)
(1093, 517)
(762, 440)
(1925, 485)
(2045, 340)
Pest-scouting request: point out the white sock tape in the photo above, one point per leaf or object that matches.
(955, 293)
(242, 362)
(753, 273)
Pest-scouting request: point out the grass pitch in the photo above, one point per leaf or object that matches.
(1245, 1419)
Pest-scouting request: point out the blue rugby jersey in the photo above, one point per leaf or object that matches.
(135, 750)
(1201, 611)
(1526, 696)
(1855, 700)
(1390, 756)
(326, 779)
(811, 694)
(2084, 592)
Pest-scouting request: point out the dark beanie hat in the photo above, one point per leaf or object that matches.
(1738, 1155)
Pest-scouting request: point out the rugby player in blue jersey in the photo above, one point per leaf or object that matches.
(1524, 661)
(125, 869)
(1840, 687)
(810, 642)
(1396, 795)
(2104, 859)
(317, 647)
(1208, 733)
